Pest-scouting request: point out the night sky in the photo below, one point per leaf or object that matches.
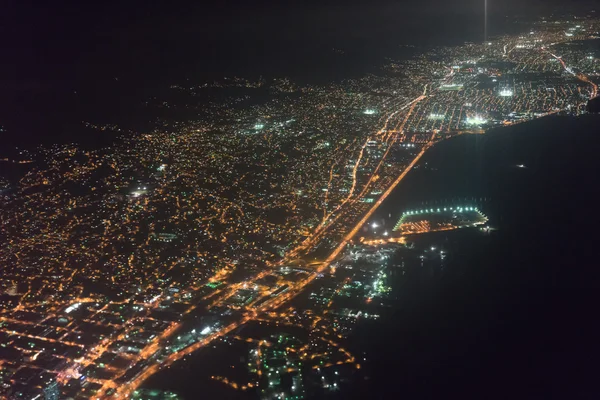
(36, 33)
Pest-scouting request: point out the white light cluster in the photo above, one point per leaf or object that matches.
(476, 120)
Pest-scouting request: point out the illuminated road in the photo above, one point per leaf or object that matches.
(376, 205)
(342, 214)
(579, 75)
(328, 221)
(295, 289)
(385, 136)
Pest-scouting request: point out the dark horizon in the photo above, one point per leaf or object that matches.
(64, 55)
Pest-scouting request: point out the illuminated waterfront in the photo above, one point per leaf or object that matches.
(428, 316)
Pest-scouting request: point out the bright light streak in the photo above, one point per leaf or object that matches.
(72, 308)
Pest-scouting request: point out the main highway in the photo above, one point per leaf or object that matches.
(582, 77)
(125, 391)
(339, 215)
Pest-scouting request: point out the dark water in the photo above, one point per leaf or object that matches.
(519, 322)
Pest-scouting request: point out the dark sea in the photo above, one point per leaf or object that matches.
(517, 321)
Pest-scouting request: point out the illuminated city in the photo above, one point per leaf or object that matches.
(242, 226)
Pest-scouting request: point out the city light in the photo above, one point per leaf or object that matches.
(476, 120)
(206, 330)
(436, 117)
(72, 308)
